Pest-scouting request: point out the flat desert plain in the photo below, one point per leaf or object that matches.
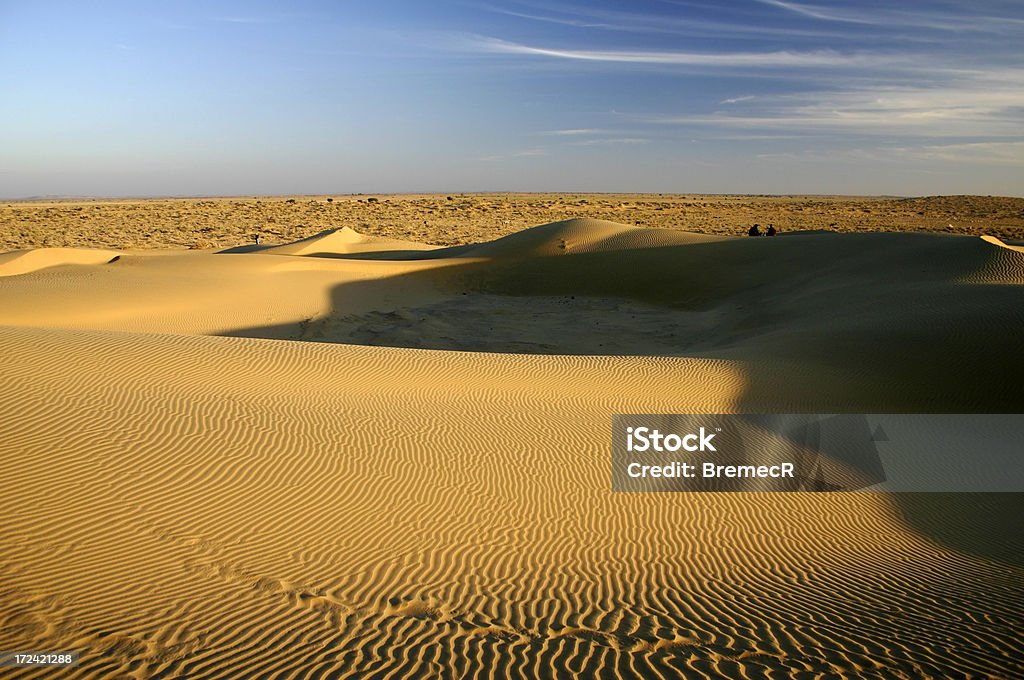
(459, 219)
(377, 444)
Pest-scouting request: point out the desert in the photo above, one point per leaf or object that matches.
(459, 219)
(512, 339)
(375, 444)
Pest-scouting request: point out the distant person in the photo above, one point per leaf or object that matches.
(771, 230)
(754, 230)
(256, 237)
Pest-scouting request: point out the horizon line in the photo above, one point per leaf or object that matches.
(152, 197)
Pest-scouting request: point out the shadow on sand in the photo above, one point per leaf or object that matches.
(858, 323)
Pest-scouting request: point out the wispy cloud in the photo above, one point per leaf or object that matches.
(612, 140)
(817, 13)
(896, 16)
(575, 132)
(594, 137)
(623, 21)
(577, 22)
(873, 86)
(987, 105)
(780, 58)
(983, 153)
(522, 153)
(1008, 153)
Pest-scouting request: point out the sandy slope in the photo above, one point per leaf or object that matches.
(184, 504)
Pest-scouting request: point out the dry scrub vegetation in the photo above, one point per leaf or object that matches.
(465, 218)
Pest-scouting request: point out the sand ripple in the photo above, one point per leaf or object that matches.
(180, 504)
(181, 518)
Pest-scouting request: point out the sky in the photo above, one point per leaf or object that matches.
(143, 98)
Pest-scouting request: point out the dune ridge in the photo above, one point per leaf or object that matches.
(196, 492)
(344, 241)
(580, 235)
(25, 261)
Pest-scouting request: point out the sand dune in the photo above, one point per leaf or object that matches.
(580, 235)
(24, 261)
(342, 242)
(196, 490)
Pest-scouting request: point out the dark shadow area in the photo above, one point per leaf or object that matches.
(989, 525)
(396, 255)
(251, 248)
(836, 324)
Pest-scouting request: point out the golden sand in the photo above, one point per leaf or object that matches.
(270, 463)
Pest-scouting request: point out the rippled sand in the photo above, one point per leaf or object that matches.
(270, 463)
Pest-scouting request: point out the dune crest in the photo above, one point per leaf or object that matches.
(344, 241)
(1003, 266)
(582, 235)
(25, 261)
(994, 240)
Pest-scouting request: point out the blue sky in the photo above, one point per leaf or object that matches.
(751, 96)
